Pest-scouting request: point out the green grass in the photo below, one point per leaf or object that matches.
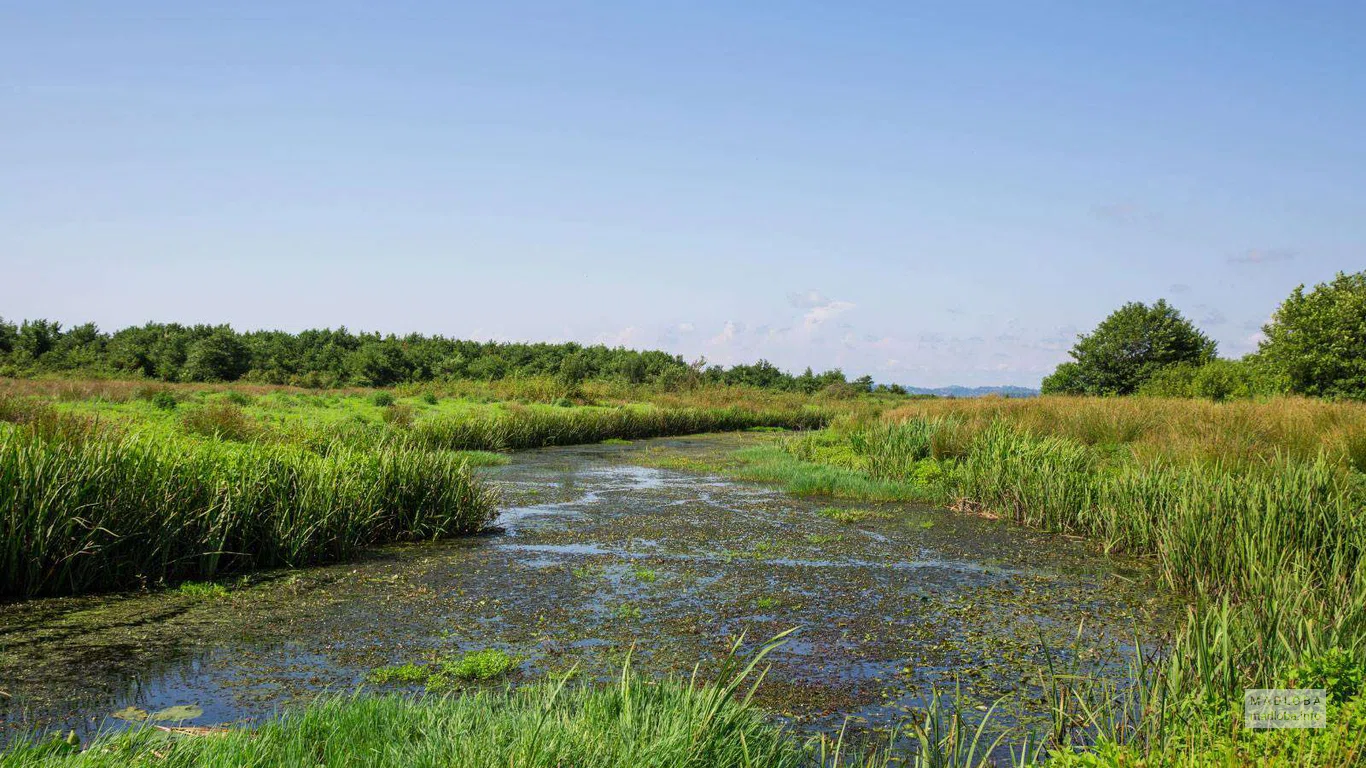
(202, 589)
(479, 665)
(646, 575)
(97, 512)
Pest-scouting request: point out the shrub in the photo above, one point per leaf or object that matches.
(223, 421)
(398, 415)
(382, 399)
(164, 400)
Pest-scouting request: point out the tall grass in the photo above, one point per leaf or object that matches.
(1256, 512)
(111, 512)
(537, 428)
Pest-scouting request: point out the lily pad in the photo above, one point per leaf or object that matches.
(178, 712)
(131, 714)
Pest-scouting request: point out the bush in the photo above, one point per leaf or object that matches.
(398, 415)
(164, 400)
(223, 421)
(382, 399)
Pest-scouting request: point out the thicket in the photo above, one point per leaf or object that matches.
(334, 358)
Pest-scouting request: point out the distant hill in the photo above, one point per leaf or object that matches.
(974, 391)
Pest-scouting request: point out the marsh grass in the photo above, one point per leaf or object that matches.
(114, 512)
(1255, 511)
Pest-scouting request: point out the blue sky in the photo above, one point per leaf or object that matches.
(931, 193)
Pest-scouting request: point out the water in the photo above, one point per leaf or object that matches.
(883, 609)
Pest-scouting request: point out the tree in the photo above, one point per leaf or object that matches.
(37, 337)
(1129, 347)
(573, 370)
(9, 334)
(220, 356)
(1316, 341)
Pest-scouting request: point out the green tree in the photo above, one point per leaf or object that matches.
(9, 334)
(1130, 346)
(1316, 341)
(220, 356)
(573, 370)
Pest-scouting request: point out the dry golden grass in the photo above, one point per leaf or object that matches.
(1154, 428)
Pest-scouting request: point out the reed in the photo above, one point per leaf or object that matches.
(116, 512)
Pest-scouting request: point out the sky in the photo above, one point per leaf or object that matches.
(930, 193)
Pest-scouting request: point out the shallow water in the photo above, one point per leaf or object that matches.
(883, 609)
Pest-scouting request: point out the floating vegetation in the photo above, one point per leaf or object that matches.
(174, 714)
(852, 516)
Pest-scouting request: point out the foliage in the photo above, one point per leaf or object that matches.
(1129, 347)
(337, 357)
(1316, 341)
(1217, 380)
(219, 356)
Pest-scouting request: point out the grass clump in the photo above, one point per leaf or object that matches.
(382, 399)
(221, 421)
(399, 674)
(478, 665)
(202, 589)
(646, 575)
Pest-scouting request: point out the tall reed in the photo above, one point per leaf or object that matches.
(118, 512)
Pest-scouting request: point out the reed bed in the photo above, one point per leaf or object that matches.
(114, 512)
(538, 428)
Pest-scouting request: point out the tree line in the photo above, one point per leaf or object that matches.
(1314, 344)
(331, 358)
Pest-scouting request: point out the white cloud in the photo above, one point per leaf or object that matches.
(728, 333)
(819, 314)
(623, 338)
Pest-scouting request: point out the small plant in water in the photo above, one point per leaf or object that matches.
(203, 589)
(767, 603)
(628, 612)
(851, 516)
(477, 665)
(646, 575)
(399, 674)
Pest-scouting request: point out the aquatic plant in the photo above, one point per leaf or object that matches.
(107, 512)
